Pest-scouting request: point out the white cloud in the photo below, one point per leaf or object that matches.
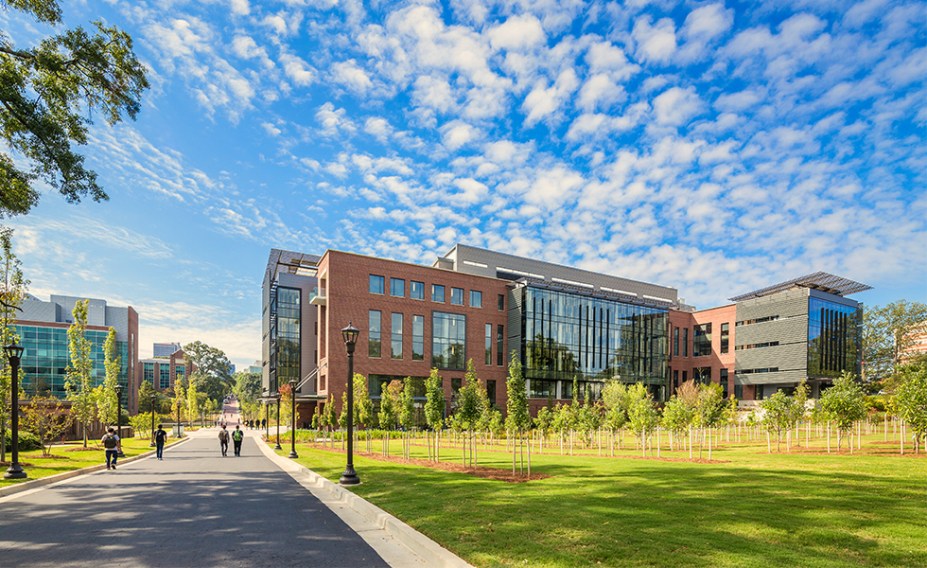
(544, 100)
(333, 120)
(297, 70)
(675, 106)
(378, 127)
(350, 75)
(240, 7)
(655, 43)
(457, 134)
(518, 32)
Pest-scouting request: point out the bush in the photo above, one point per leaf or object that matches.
(27, 441)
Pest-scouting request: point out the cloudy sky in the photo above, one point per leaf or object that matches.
(715, 147)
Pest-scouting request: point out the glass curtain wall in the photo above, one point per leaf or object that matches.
(571, 336)
(449, 341)
(286, 331)
(834, 338)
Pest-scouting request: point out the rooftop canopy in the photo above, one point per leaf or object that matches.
(818, 281)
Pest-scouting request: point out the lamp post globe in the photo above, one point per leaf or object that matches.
(14, 355)
(293, 453)
(350, 334)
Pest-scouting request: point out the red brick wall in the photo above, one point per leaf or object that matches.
(345, 278)
(716, 360)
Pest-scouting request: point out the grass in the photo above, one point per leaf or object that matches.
(71, 456)
(747, 508)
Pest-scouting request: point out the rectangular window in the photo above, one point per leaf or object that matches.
(456, 384)
(448, 341)
(488, 359)
(725, 337)
(397, 287)
(437, 293)
(417, 290)
(377, 284)
(373, 340)
(685, 342)
(739, 392)
(676, 342)
(701, 340)
(395, 349)
(418, 338)
(724, 383)
(476, 299)
(685, 376)
(501, 301)
(500, 349)
(491, 392)
(457, 296)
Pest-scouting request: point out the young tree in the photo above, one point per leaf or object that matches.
(615, 399)
(708, 411)
(435, 405)
(778, 415)
(178, 404)
(11, 296)
(844, 403)
(78, 383)
(911, 398)
(47, 418)
(543, 422)
(105, 394)
(363, 406)
(407, 414)
(518, 417)
(469, 408)
(677, 417)
(50, 92)
(642, 415)
(388, 411)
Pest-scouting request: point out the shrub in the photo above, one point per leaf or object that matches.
(27, 441)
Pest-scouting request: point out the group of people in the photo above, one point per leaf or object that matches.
(237, 437)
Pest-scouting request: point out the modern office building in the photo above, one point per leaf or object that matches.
(43, 331)
(167, 366)
(564, 324)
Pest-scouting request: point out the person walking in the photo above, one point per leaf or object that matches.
(224, 440)
(110, 442)
(160, 438)
(237, 437)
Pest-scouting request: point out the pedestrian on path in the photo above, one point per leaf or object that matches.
(110, 442)
(224, 440)
(237, 437)
(160, 438)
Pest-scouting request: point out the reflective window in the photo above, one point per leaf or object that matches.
(457, 296)
(373, 339)
(725, 337)
(701, 340)
(418, 338)
(395, 350)
(417, 290)
(397, 287)
(488, 359)
(476, 299)
(833, 338)
(448, 341)
(437, 293)
(286, 360)
(500, 349)
(377, 284)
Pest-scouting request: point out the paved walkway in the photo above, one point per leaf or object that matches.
(195, 508)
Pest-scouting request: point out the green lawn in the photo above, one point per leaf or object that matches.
(70, 456)
(751, 509)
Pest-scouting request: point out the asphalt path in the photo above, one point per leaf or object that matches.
(195, 508)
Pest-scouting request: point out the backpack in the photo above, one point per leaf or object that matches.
(238, 435)
(109, 442)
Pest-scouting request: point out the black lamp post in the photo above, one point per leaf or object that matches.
(119, 419)
(349, 334)
(154, 398)
(293, 453)
(14, 354)
(278, 446)
(266, 416)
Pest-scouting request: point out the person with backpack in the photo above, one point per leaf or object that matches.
(224, 440)
(237, 436)
(110, 442)
(160, 438)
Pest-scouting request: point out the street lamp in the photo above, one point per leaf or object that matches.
(154, 398)
(14, 354)
(119, 419)
(349, 334)
(278, 446)
(293, 453)
(264, 395)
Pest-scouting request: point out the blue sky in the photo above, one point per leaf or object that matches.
(715, 147)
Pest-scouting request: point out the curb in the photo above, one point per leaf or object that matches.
(43, 481)
(430, 552)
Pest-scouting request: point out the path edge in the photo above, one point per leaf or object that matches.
(432, 553)
(43, 481)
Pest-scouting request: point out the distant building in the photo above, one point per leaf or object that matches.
(162, 371)
(915, 343)
(43, 330)
(255, 368)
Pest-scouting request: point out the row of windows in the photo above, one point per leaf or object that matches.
(756, 345)
(448, 339)
(397, 289)
(758, 371)
(701, 340)
(757, 320)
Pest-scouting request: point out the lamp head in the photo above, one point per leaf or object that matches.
(14, 352)
(349, 334)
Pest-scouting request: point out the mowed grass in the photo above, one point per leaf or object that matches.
(70, 456)
(752, 509)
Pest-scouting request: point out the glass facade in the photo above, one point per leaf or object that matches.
(148, 374)
(164, 376)
(179, 373)
(571, 336)
(285, 332)
(373, 341)
(395, 349)
(448, 341)
(834, 336)
(44, 364)
(418, 338)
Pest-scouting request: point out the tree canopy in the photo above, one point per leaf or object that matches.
(887, 335)
(47, 95)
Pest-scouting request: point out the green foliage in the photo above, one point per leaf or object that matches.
(141, 423)
(27, 441)
(709, 410)
(544, 420)
(642, 414)
(388, 403)
(247, 389)
(179, 402)
(12, 292)
(47, 417)
(469, 402)
(105, 394)
(213, 374)
(47, 94)
(887, 335)
(518, 417)
(407, 404)
(779, 413)
(435, 402)
(844, 403)
(363, 406)
(78, 386)
(677, 415)
(615, 399)
(911, 397)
